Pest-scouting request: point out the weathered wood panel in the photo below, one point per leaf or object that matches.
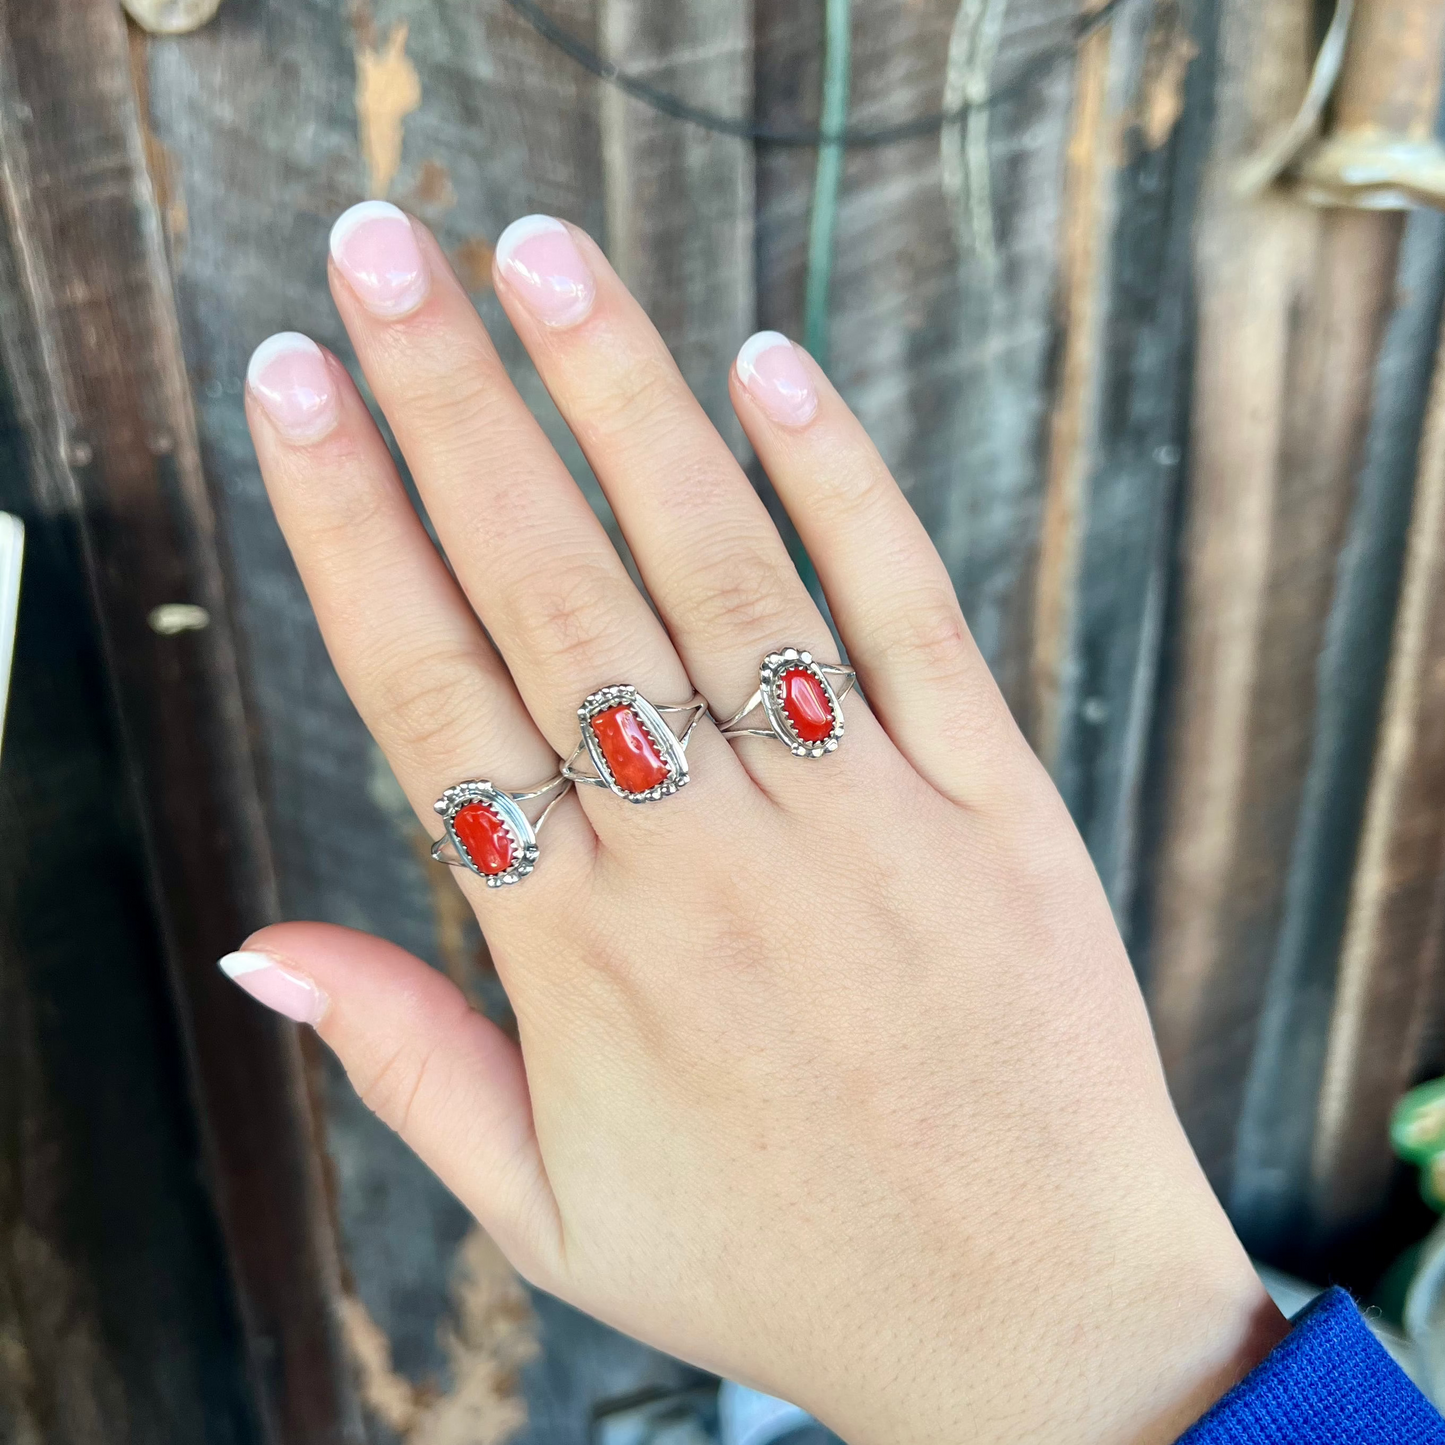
(117, 1321)
(1314, 337)
(1292, 306)
(1272, 1191)
(679, 200)
(1097, 702)
(1386, 1027)
(1253, 265)
(107, 414)
(943, 346)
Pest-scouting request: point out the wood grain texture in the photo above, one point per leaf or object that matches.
(1093, 160)
(1106, 547)
(1386, 1027)
(1275, 1145)
(1251, 271)
(1391, 77)
(1292, 308)
(117, 1318)
(944, 357)
(679, 201)
(108, 417)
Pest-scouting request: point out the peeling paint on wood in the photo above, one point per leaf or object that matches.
(473, 260)
(388, 89)
(1091, 157)
(389, 1396)
(161, 165)
(433, 191)
(1172, 50)
(491, 1335)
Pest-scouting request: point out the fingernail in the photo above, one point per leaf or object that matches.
(375, 248)
(545, 268)
(773, 372)
(288, 375)
(267, 982)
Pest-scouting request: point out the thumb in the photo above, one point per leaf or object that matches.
(448, 1080)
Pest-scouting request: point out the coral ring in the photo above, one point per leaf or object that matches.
(635, 754)
(487, 831)
(799, 701)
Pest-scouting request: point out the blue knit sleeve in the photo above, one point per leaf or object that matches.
(1328, 1382)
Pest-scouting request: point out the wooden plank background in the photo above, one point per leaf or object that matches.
(1167, 436)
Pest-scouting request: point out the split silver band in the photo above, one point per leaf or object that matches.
(633, 751)
(800, 703)
(488, 832)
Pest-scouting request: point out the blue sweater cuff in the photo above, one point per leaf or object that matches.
(1328, 1382)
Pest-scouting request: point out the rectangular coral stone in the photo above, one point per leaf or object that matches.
(631, 754)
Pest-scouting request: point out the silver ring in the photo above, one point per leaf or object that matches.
(635, 753)
(799, 701)
(488, 832)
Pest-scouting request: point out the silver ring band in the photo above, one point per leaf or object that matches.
(800, 703)
(633, 751)
(487, 830)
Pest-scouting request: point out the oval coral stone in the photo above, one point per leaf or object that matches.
(482, 833)
(806, 705)
(630, 753)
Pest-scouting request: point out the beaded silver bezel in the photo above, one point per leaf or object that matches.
(669, 747)
(775, 664)
(514, 820)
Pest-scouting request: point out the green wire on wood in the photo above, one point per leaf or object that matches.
(837, 71)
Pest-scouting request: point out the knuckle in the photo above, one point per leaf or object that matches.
(428, 698)
(459, 420)
(856, 491)
(930, 636)
(570, 614)
(634, 400)
(391, 1089)
(738, 594)
(345, 508)
(444, 378)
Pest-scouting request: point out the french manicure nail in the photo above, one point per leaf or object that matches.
(771, 369)
(288, 375)
(278, 988)
(375, 248)
(539, 258)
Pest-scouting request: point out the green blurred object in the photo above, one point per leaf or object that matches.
(1417, 1135)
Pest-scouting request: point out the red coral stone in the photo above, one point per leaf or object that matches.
(806, 705)
(630, 753)
(482, 833)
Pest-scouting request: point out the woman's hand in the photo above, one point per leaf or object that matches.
(833, 1074)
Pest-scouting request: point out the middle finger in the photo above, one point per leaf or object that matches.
(527, 549)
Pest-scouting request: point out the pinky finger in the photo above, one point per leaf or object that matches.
(448, 1080)
(886, 585)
